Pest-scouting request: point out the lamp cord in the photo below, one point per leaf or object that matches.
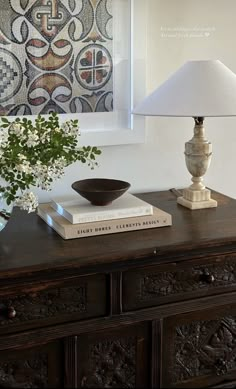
(176, 192)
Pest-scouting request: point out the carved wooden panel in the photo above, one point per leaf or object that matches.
(111, 364)
(153, 284)
(204, 347)
(25, 373)
(111, 358)
(201, 346)
(84, 298)
(31, 368)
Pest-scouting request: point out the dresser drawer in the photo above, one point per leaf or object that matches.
(76, 299)
(154, 285)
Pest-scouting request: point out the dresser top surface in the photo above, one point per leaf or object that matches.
(28, 244)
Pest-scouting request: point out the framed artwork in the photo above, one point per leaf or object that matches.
(78, 58)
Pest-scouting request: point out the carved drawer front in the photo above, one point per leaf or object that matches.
(39, 367)
(73, 300)
(199, 349)
(154, 285)
(115, 358)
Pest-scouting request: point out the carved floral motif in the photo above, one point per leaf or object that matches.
(111, 364)
(25, 373)
(204, 348)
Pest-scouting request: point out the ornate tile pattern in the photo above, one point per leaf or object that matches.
(55, 55)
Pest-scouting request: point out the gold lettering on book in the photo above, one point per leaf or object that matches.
(128, 225)
(85, 231)
(106, 228)
(151, 222)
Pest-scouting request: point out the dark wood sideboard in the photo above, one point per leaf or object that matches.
(153, 308)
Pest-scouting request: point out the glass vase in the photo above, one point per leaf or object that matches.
(5, 212)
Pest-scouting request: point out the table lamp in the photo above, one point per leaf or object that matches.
(197, 89)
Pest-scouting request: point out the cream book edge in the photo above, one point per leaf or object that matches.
(68, 230)
(79, 210)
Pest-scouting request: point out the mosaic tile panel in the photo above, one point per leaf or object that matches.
(55, 55)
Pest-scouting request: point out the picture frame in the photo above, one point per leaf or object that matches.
(119, 126)
(104, 129)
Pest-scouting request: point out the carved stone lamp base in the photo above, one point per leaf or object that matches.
(198, 152)
(194, 199)
(197, 204)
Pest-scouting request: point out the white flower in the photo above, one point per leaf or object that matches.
(3, 137)
(45, 175)
(74, 131)
(45, 137)
(60, 163)
(16, 129)
(32, 139)
(69, 129)
(21, 157)
(28, 202)
(24, 167)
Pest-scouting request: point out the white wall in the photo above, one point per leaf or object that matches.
(178, 30)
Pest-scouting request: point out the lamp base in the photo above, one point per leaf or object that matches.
(198, 152)
(197, 199)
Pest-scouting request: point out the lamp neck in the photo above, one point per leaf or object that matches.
(199, 120)
(199, 131)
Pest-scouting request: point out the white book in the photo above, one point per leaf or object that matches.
(78, 210)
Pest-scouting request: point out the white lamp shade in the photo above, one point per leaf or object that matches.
(197, 89)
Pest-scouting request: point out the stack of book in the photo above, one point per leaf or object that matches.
(73, 217)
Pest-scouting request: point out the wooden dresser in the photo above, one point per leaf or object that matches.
(153, 308)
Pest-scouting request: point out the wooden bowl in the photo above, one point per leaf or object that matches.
(100, 191)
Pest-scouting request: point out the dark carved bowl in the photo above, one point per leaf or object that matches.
(100, 191)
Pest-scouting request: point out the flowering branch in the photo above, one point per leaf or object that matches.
(37, 154)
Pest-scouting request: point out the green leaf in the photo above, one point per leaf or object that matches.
(5, 120)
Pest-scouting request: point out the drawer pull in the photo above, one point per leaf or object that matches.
(7, 312)
(11, 312)
(207, 278)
